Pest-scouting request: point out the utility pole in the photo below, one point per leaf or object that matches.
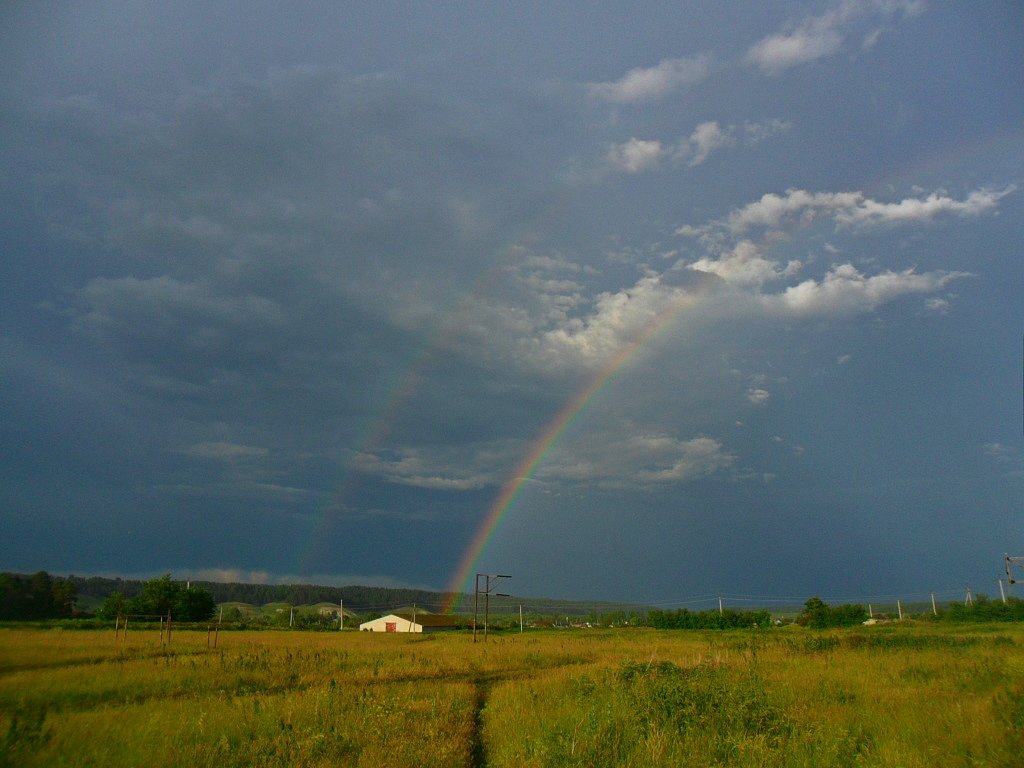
(721, 610)
(969, 600)
(341, 614)
(1009, 563)
(520, 618)
(899, 609)
(476, 604)
(487, 598)
(935, 611)
(1002, 592)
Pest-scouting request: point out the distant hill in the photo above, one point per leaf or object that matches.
(356, 598)
(93, 590)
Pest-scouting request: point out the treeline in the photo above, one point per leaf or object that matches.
(725, 619)
(358, 599)
(984, 609)
(39, 596)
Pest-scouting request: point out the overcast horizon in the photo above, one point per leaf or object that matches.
(645, 303)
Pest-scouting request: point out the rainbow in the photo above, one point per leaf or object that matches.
(544, 443)
(376, 433)
(378, 430)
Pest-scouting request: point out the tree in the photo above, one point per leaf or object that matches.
(39, 596)
(194, 604)
(818, 614)
(65, 595)
(157, 598)
(113, 606)
(164, 595)
(815, 613)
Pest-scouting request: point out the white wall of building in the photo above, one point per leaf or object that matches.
(398, 624)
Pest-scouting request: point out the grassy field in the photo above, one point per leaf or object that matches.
(907, 695)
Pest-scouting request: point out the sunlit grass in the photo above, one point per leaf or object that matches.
(911, 695)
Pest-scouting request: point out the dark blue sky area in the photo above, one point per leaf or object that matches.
(293, 293)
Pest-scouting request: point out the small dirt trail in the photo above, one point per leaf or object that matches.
(477, 750)
(481, 691)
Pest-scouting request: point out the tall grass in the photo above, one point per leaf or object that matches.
(912, 695)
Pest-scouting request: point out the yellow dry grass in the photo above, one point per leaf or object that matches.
(912, 695)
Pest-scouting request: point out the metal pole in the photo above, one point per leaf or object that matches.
(487, 603)
(476, 603)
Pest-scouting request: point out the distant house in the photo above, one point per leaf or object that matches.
(409, 622)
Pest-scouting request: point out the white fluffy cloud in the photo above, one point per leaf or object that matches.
(844, 289)
(649, 83)
(553, 325)
(758, 396)
(694, 458)
(635, 155)
(638, 155)
(746, 265)
(437, 469)
(625, 455)
(819, 36)
(813, 40)
(873, 213)
(618, 320)
(854, 209)
(634, 457)
(745, 262)
(706, 138)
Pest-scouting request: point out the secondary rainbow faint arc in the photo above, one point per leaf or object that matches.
(543, 444)
(376, 434)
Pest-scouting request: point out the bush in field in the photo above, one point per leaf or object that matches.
(704, 700)
(819, 615)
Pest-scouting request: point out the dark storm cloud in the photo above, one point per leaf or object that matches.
(326, 277)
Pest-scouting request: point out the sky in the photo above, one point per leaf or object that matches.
(630, 301)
